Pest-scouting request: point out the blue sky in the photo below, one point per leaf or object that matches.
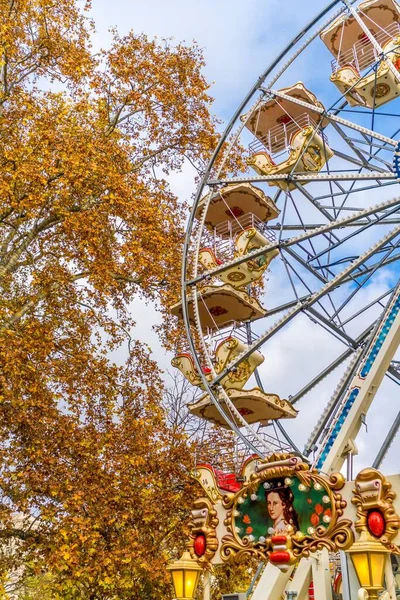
(239, 39)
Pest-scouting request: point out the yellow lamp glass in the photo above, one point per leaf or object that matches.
(369, 557)
(185, 576)
(361, 566)
(177, 580)
(377, 568)
(191, 580)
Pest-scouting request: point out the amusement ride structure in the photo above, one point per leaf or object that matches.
(308, 229)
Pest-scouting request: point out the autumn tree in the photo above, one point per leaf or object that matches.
(88, 465)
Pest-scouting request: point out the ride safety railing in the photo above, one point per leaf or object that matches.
(363, 54)
(234, 329)
(230, 459)
(279, 137)
(231, 227)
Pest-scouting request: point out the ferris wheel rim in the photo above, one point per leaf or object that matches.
(185, 284)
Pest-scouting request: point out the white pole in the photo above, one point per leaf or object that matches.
(390, 580)
(207, 585)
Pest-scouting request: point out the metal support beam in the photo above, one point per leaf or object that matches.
(316, 177)
(318, 230)
(387, 443)
(311, 384)
(332, 117)
(332, 284)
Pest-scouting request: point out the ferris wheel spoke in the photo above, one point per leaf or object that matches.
(303, 282)
(367, 306)
(369, 268)
(387, 443)
(329, 325)
(331, 117)
(393, 371)
(331, 406)
(310, 242)
(356, 161)
(313, 201)
(321, 375)
(314, 298)
(368, 111)
(366, 142)
(352, 190)
(362, 229)
(288, 266)
(331, 367)
(302, 177)
(351, 219)
(330, 414)
(305, 264)
(367, 278)
(363, 160)
(330, 454)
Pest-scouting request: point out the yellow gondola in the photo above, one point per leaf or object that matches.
(220, 305)
(289, 136)
(253, 405)
(355, 54)
(241, 275)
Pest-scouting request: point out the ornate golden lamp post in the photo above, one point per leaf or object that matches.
(185, 576)
(377, 524)
(369, 557)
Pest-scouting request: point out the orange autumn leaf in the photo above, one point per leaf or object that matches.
(94, 477)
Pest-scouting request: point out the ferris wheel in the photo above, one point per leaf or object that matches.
(308, 231)
(305, 231)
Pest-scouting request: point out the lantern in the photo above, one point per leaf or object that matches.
(185, 576)
(369, 557)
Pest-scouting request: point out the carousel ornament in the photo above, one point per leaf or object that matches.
(377, 523)
(289, 532)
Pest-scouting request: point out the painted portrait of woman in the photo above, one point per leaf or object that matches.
(280, 509)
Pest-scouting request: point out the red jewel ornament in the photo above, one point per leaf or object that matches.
(376, 523)
(279, 539)
(279, 557)
(199, 545)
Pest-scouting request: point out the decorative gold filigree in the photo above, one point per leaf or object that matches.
(242, 373)
(338, 534)
(374, 491)
(204, 521)
(205, 477)
(233, 550)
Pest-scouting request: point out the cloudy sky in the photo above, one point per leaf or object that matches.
(239, 39)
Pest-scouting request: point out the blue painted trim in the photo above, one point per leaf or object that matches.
(371, 356)
(338, 426)
(380, 339)
(396, 161)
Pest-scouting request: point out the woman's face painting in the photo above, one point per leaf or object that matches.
(275, 505)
